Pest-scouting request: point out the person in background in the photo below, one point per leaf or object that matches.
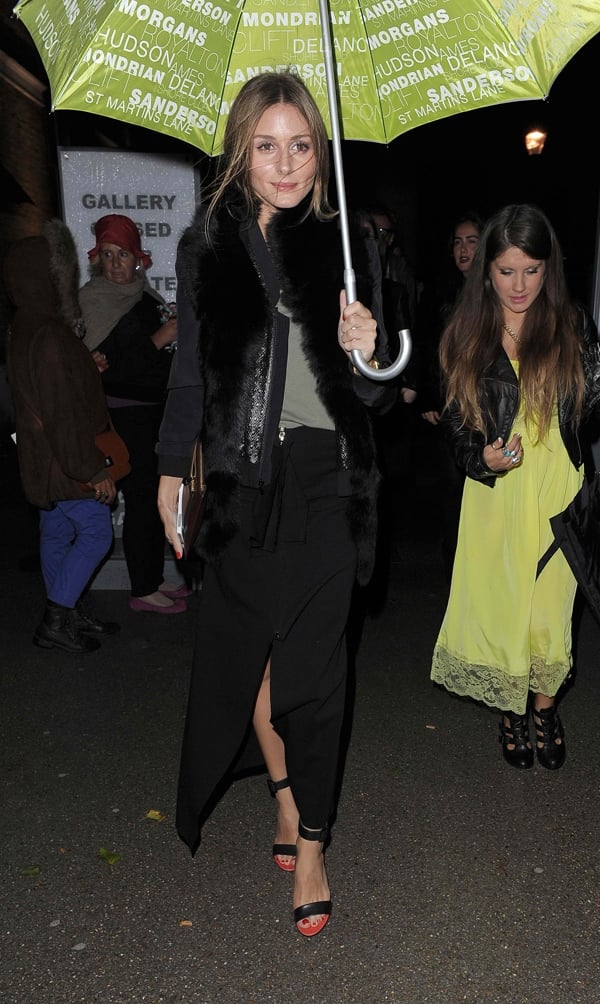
(515, 355)
(399, 284)
(264, 372)
(393, 429)
(130, 332)
(464, 241)
(436, 308)
(59, 409)
(437, 303)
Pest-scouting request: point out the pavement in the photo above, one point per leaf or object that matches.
(454, 877)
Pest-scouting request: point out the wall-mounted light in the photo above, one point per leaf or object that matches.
(534, 141)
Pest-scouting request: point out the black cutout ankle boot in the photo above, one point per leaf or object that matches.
(548, 728)
(516, 734)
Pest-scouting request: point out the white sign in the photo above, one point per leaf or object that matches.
(157, 191)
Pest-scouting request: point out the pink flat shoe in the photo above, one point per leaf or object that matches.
(177, 594)
(176, 607)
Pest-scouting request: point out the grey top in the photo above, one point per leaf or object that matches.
(301, 406)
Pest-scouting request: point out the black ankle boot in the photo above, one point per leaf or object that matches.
(84, 621)
(58, 630)
(548, 728)
(516, 734)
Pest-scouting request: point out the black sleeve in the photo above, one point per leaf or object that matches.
(182, 418)
(467, 446)
(377, 394)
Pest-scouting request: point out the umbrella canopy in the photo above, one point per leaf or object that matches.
(175, 66)
(376, 69)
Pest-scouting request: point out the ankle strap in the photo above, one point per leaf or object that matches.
(320, 835)
(275, 786)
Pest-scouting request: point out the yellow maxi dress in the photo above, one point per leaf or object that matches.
(505, 633)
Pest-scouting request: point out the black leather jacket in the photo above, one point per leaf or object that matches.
(500, 404)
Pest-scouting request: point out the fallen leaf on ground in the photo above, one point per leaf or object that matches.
(110, 857)
(155, 814)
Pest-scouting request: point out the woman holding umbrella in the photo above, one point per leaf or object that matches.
(263, 372)
(520, 362)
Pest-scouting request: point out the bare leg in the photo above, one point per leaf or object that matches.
(310, 880)
(310, 883)
(273, 752)
(542, 701)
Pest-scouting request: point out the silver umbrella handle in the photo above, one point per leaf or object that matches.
(404, 334)
(336, 143)
(390, 371)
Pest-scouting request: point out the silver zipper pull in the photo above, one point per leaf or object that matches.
(281, 436)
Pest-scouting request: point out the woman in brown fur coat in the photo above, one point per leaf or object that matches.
(59, 408)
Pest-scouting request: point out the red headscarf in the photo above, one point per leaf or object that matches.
(119, 230)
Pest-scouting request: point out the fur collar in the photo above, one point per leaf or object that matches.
(219, 268)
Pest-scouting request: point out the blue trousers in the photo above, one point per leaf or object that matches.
(74, 538)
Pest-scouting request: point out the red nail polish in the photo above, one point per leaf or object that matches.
(178, 555)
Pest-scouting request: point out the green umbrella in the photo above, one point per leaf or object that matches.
(174, 66)
(378, 69)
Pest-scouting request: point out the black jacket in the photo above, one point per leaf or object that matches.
(228, 373)
(435, 309)
(500, 404)
(138, 370)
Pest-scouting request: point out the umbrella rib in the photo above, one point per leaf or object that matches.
(382, 120)
(227, 63)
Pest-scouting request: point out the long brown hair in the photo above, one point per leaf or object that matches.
(258, 94)
(550, 367)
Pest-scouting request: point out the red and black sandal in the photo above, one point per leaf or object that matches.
(322, 908)
(281, 851)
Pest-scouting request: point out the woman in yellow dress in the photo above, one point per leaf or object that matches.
(515, 355)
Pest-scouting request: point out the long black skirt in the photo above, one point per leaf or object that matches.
(281, 590)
